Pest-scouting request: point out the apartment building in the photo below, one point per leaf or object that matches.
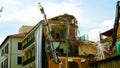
(28, 47)
(11, 51)
(63, 28)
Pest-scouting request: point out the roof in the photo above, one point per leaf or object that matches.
(18, 35)
(65, 18)
(62, 16)
(14, 36)
(108, 32)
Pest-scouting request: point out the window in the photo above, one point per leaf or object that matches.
(6, 48)
(61, 51)
(2, 65)
(73, 65)
(19, 60)
(19, 46)
(63, 34)
(27, 56)
(72, 33)
(6, 63)
(30, 53)
(57, 36)
(2, 52)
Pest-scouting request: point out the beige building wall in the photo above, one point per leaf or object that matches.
(6, 55)
(13, 52)
(25, 28)
(28, 53)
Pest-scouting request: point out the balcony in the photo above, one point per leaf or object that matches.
(6, 55)
(28, 43)
(29, 60)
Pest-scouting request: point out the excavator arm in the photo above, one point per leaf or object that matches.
(116, 24)
(51, 47)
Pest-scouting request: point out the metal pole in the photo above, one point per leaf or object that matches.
(67, 42)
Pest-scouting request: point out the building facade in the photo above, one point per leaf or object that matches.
(64, 32)
(28, 46)
(11, 52)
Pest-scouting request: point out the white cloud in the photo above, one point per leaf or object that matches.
(29, 15)
(104, 26)
(1, 40)
(32, 15)
(94, 34)
(53, 9)
(108, 23)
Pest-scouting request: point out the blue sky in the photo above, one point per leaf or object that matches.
(93, 16)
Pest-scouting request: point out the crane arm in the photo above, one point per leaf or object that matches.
(52, 50)
(116, 24)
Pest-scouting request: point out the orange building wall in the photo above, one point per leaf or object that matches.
(63, 60)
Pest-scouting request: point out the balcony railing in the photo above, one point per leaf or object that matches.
(4, 54)
(29, 60)
(28, 43)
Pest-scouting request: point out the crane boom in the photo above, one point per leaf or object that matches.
(116, 24)
(54, 54)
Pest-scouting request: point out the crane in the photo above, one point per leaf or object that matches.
(116, 24)
(52, 50)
